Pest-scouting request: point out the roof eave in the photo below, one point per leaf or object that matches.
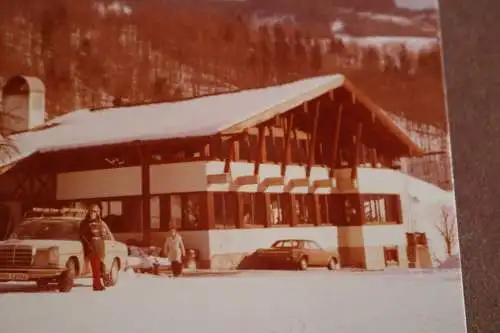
(414, 149)
(336, 82)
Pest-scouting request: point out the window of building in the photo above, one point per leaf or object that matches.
(122, 215)
(155, 213)
(391, 256)
(277, 209)
(304, 208)
(381, 209)
(325, 205)
(249, 209)
(111, 208)
(165, 212)
(191, 210)
(181, 211)
(175, 211)
(225, 204)
(112, 213)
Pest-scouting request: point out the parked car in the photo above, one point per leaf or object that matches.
(137, 260)
(47, 249)
(145, 261)
(296, 253)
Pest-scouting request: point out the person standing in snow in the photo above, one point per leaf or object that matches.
(174, 250)
(93, 233)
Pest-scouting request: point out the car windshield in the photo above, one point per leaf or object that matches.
(47, 229)
(286, 244)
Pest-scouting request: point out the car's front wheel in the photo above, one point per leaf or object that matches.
(332, 264)
(303, 264)
(67, 279)
(111, 278)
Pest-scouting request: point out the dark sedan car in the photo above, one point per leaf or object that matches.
(296, 253)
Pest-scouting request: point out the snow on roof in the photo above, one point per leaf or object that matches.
(226, 113)
(190, 118)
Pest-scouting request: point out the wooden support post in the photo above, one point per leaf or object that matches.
(146, 194)
(263, 206)
(267, 205)
(240, 217)
(216, 148)
(336, 140)
(208, 214)
(357, 151)
(314, 208)
(312, 143)
(331, 95)
(236, 150)
(230, 156)
(288, 136)
(374, 157)
(291, 208)
(260, 150)
(165, 212)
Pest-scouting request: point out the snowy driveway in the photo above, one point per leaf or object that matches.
(278, 302)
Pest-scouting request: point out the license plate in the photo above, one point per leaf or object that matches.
(14, 276)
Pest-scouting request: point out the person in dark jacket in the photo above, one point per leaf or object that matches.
(93, 233)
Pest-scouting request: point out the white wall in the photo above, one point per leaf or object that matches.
(422, 203)
(165, 178)
(99, 183)
(385, 235)
(181, 177)
(248, 240)
(178, 177)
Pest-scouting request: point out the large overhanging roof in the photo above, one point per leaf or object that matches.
(226, 113)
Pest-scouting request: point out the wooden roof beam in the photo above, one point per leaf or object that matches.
(312, 143)
(336, 141)
(287, 152)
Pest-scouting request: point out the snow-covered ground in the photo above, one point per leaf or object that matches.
(300, 302)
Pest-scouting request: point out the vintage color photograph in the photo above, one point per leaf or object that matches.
(226, 166)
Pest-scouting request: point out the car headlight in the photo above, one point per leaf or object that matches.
(48, 256)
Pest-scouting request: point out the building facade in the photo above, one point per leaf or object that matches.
(321, 164)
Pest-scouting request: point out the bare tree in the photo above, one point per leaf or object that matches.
(447, 227)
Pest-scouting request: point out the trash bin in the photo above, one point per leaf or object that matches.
(190, 262)
(156, 268)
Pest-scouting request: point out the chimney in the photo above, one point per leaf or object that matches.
(23, 104)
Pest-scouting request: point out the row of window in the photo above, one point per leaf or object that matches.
(216, 210)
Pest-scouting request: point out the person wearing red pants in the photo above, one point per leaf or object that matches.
(93, 234)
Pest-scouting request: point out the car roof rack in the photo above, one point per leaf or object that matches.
(55, 212)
